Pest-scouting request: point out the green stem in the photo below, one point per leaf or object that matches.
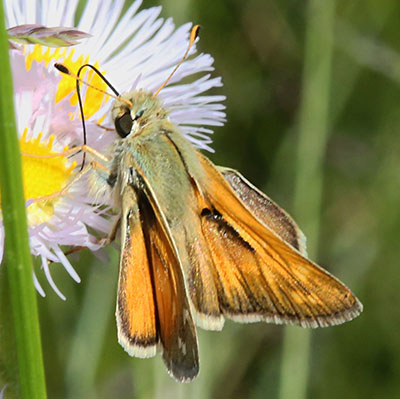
(17, 253)
(313, 129)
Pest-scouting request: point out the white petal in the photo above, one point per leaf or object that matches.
(47, 273)
(38, 286)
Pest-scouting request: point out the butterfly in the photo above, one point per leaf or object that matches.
(201, 244)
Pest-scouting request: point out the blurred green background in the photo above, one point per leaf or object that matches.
(259, 48)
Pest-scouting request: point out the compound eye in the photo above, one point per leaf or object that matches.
(123, 124)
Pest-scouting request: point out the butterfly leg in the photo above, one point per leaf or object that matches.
(71, 151)
(111, 237)
(94, 165)
(78, 176)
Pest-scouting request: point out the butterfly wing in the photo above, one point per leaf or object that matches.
(260, 275)
(176, 327)
(136, 307)
(152, 305)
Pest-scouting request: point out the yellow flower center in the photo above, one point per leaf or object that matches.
(43, 176)
(46, 177)
(93, 99)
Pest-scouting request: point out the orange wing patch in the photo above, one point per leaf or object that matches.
(176, 328)
(152, 306)
(260, 276)
(136, 314)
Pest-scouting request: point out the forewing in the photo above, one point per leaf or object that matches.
(136, 311)
(152, 306)
(176, 328)
(261, 276)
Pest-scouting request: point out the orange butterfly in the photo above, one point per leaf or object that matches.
(200, 244)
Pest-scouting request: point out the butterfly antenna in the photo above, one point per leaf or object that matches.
(193, 35)
(63, 69)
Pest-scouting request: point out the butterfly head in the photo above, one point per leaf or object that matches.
(144, 109)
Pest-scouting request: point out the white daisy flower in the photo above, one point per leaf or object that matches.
(45, 127)
(134, 49)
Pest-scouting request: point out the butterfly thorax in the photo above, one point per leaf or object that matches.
(141, 128)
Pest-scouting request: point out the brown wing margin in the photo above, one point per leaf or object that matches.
(260, 276)
(152, 306)
(266, 210)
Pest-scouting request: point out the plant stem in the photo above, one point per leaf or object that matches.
(313, 132)
(17, 253)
